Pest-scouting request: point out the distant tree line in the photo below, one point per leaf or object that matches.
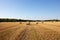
(54, 20)
(21, 20)
(15, 20)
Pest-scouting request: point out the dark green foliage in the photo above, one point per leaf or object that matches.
(21, 20)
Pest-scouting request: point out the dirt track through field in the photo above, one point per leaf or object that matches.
(30, 32)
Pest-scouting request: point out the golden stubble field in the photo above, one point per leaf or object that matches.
(40, 31)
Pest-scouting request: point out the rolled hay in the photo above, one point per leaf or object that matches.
(20, 22)
(42, 22)
(28, 23)
(36, 22)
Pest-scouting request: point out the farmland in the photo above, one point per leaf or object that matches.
(33, 31)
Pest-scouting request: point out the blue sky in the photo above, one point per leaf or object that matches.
(30, 9)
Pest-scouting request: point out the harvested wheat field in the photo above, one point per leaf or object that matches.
(32, 31)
